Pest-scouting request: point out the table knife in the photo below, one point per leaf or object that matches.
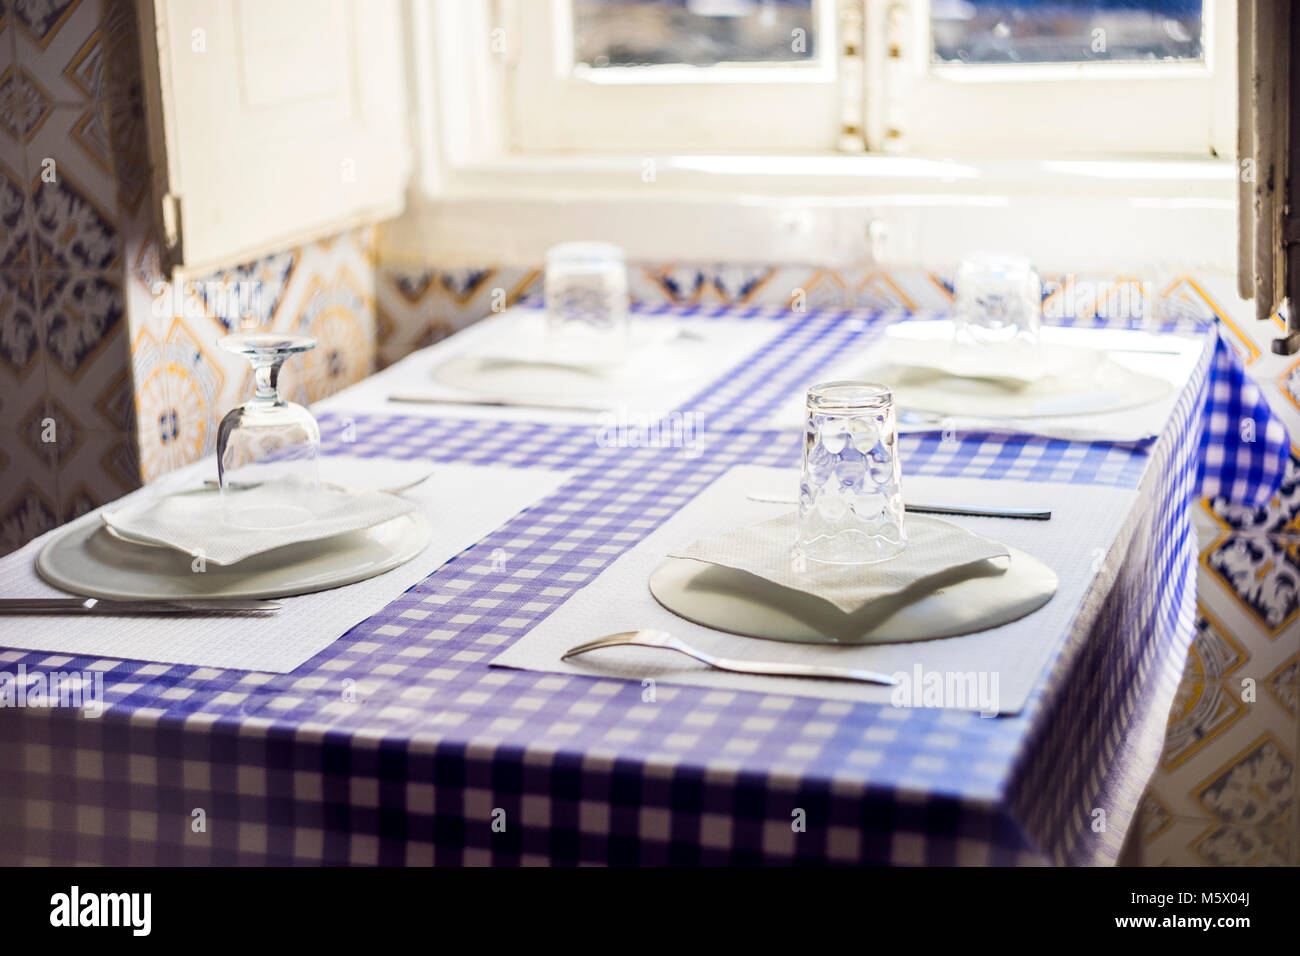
(976, 511)
(80, 605)
(417, 399)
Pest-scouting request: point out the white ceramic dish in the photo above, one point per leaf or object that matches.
(725, 599)
(84, 558)
(534, 366)
(1106, 387)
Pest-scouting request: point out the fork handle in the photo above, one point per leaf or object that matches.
(819, 671)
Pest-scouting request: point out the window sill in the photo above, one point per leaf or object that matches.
(843, 175)
(834, 210)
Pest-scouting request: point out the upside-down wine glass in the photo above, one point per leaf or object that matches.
(267, 448)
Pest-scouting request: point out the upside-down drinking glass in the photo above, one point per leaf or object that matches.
(267, 448)
(587, 299)
(850, 492)
(998, 300)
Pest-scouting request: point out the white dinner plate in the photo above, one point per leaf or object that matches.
(84, 558)
(532, 365)
(1001, 591)
(1106, 387)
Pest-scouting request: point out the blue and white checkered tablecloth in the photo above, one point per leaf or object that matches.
(398, 743)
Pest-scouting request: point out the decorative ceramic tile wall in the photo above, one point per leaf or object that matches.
(108, 376)
(185, 383)
(65, 395)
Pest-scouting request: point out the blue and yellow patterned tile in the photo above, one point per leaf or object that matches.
(925, 289)
(53, 432)
(156, 429)
(29, 503)
(1280, 516)
(1206, 704)
(82, 317)
(148, 293)
(1233, 694)
(193, 378)
(1153, 818)
(413, 285)
(462, 286)
(1188, 297)
(941, 280)
(671, 285)
(522, 285)
(22, 351)
(245, 296)
(1255, 554)
(73, 189)
(340, 314)
(742, 285)
(407, 311)
(25, 104)
(104, 466)
(88, 363)
(74, 231)
(1226, 845)
(707, 284)
(878, 290)
(1254, 787)
(415, 308)
(1195, 841)
(28, 473)
(818, 289)
(63, 43)
(366, 239)
(1283, 685)
(1288, 383)
(1092, 299)
(1261, 575)
(128, 142)
(16, 248)
(41, 22)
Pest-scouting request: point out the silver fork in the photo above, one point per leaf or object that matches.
(651, 638)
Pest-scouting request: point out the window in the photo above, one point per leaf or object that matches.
(673, 75)
(1005, 31)
(930, 77)
(1063, 77)
(703, 33)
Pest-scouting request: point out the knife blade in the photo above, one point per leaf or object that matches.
(80, 605)
(487, 402)
(975, 511)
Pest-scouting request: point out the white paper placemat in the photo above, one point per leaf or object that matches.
(713, 347)
(462, 502)
(1147, 356)
(1008, 659)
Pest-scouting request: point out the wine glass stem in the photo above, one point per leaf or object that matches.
(267, 377)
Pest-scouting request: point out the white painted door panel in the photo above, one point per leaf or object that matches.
(281, 121)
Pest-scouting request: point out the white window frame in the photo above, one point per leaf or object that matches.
(557, 106)
(1168, 108)
(477, 198)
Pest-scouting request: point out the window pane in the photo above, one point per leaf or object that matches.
(1065, 31)
(692, 32)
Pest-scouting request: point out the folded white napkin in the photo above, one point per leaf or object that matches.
(933, 548)
(193, 522)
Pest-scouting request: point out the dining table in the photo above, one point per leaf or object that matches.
(400, 742)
